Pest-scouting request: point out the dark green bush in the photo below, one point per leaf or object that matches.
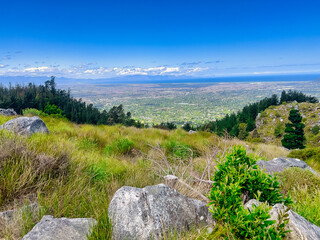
(237, 180)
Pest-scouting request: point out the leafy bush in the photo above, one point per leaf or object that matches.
(54, 111)
(33, 112)
(119, 147)
(237, 180)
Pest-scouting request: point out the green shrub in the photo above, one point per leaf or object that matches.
(315, 130)
(306, 154)
(121, 146)
(54, 111)
(33, 112)
(177, 149)
(239, 178)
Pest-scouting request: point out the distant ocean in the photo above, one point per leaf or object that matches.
(269, 78)
(160, 80)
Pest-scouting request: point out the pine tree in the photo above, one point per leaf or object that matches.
(294, 137)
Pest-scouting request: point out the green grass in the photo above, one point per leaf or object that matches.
(70, 173)
(304, 188)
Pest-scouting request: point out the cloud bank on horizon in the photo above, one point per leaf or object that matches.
(183, 38)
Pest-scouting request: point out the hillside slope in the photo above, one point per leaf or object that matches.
(277, 116)
(85, 164)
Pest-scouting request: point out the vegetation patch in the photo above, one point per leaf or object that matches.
(237, 180)
(122, 146)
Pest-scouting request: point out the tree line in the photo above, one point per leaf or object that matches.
(48, 98)
(242, 122)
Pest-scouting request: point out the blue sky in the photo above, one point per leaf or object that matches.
(103, 39)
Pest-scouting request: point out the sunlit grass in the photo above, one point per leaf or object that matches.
(93, 174)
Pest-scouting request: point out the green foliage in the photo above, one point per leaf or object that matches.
(242, 131)
(279, 130)
(121, 146)
(237, 178)
(33, 112)
(263, 115)
(102, 230)
(177, 149)
(306, 154)
(59, 103)
(291, 96)
(53, 110)
(187, 127)
(294, 137)
(278, 115)
(304, 187)
(315, 130)
(166, 126)
(231, 122)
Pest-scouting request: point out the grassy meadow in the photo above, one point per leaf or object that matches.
(75, 170)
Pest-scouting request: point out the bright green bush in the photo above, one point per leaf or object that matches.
(33, 112)
(239, 179)
(121, 146)
(54, 111)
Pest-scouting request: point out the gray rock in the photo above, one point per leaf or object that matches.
(280, 164)
(252, 203)
(26, 125)
(301, 229)
(8, 215)
(147, 213)
(192, 132)
(50, 228)
(7, 112)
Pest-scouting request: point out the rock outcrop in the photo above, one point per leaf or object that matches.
(7, 112)
(26, 125)
(280, 164)
(300, 228)
(50, 228)
(147, 213)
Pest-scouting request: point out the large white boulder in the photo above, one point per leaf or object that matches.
(280, 164)
(146, 213)
(26, 125)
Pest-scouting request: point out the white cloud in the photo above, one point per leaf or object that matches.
(92, 71)
(36, 69)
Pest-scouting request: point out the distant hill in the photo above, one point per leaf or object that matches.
(277, 116)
